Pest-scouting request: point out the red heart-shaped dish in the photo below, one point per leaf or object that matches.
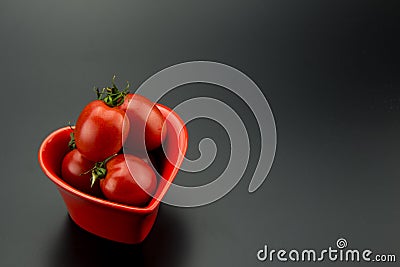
(104, 218)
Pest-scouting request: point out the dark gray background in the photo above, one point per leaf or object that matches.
(330, 70)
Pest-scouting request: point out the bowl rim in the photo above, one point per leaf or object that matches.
(153, 204)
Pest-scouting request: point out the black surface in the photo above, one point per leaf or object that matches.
(330, 71)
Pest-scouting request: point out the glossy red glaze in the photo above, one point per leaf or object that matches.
(117, 222)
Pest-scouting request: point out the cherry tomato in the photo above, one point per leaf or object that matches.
(150, 160)
(121, 184)
(100, 131)
(73, 171)
(143, 115)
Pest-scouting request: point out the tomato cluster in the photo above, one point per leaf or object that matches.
(109, 144)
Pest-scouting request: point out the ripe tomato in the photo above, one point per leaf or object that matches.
(150, 160)
(121, 184)
(73, 167)
(100, 131)
(146, 123)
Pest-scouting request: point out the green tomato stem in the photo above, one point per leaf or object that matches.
(99, 170)
(112, 96)
(71, 143)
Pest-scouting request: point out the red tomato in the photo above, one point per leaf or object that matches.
(72, 169)
(150, 160)
(100, 131)
(121, 184)
(143, 115)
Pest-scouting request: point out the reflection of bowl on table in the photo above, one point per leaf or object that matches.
(104, 218)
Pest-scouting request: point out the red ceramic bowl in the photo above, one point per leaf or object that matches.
(104, 218)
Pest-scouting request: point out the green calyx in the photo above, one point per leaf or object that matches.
(71, 143)
(112, 96)
(99, 170)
